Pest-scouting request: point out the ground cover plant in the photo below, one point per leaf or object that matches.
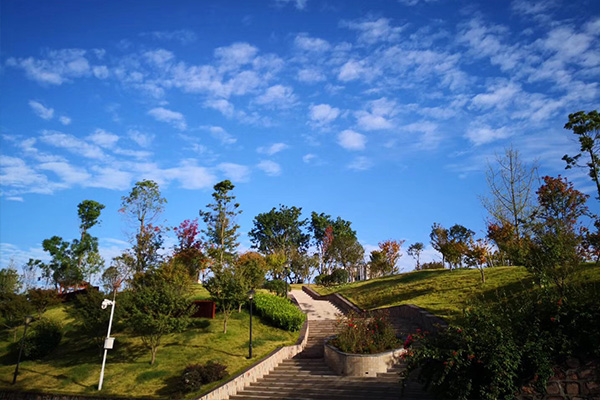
(74, 366)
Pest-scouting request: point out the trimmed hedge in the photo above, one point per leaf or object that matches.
(279, 311)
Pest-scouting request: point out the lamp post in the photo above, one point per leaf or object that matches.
(28, 320)
(108, 342)
(250, 296)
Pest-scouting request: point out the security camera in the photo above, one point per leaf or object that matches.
(106, 303)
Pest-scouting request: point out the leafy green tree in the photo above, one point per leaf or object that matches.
(554, 252)
(142, 207)
(276, 264)
(510, 203)
(158, 305)
(251, 267)
(346, 252)
(415, 250)
(458, 245)
(439, 240)
(41, 299)
(377, 264)
(587, 127)
(13, 309)
(227, 291)
(325, 230)
(72, 262)
(92, 320)
(477, 255)
(9, 280)
(221, 230)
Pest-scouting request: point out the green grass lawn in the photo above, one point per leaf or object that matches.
(74, 368)
(442, 292)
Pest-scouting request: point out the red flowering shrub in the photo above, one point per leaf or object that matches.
(365, 335)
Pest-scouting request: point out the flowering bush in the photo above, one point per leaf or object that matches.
(365, 335)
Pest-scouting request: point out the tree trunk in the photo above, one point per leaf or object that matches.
(153, 351)
(482, 275)
(225, 323)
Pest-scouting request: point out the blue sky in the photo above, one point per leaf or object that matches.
(385, 113)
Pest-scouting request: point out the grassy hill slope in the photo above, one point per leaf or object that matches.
(442, 292)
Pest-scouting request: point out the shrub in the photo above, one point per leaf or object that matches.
(365, 335)
(510, 343)
(43, 337)
(276, 286)
(337, 277)
(432, 265)
(279, 311)
(196, 375)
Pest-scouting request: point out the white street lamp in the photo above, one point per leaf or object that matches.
(108, 342)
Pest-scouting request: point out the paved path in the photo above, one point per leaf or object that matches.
(316, 309)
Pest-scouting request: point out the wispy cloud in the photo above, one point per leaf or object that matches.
(271, 168)
(58, 66)
(235, 172)
(322, 114)
(221, 135)
(40, 110)
(183, 36)
(372, 30)
(272, 149)
(174, 118)
(360, 163)
(277, 96)
(72, 144)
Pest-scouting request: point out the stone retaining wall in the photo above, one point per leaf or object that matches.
(258, 370)
(575, 382)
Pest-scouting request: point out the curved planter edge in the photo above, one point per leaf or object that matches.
(365, 365)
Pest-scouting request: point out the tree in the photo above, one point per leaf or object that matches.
(325, 230)
(143, 206)
(13, 309)
(377, 264)
(415, 250)
(477, 255)
(41, 299)
(159, 304)
(72, 262)
(554, 252)
(587, 127)
(346, 252)
(227, 291)
(189, 249)
(510, 202)
(384, 260)
(221, 230)
(280, 231)
(439, 240)
(9, 280)
(458, 245)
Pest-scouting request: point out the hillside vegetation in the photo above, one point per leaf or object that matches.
(74, 367)
(442, 292)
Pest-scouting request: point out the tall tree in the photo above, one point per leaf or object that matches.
(415, 250)
(439, 240)
(510, 202)
(554, 251)
(280, 230)
(10, 281)
(587, 127)
(325, 230)
(143, 206)
(458, 244)
(188, 250)
(221, 229)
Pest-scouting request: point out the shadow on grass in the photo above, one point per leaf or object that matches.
(172, 388)
(199, 346)
(59, 377)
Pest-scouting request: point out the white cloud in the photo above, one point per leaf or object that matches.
(69, 174)
(141, 138)
(307, 43)
(352, 70)
(174, 118)
(235, 55)
(269, 167)
(430, 137)
(498, 96)
(41, 111)
(190, 176)
(323, 114)
(159, 57)
(16, 174)
(110, 178)
(103, 138)
(311, 75)
(371, 31)
(221, 135)
(308, 158)
(221, 105)
(64, 120)
(58, 67)
(480, 134)
(411, 3)
(351, 140)
(299, 4)
(377, 114)
(235, 172)
(360, 164)
(272, 149)
(71, 143)
(100, 72)
(277, 96)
